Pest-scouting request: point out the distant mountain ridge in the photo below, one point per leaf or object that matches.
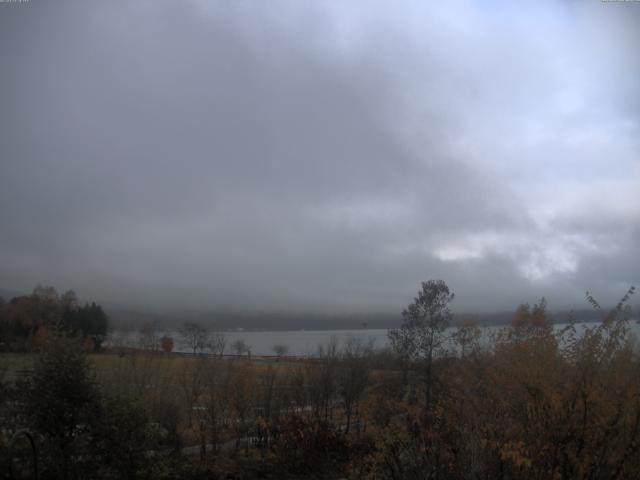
(132, 319)
(123, 318)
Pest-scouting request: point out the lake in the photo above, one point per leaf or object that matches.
(306, 342)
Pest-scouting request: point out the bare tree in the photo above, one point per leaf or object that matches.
(217, 343)
(191, 379)
(353, 377)
(322, 378)
(241, 400)
(148, 338)
(214, 400)
(240, 347)
(467, 336)
(195, 336)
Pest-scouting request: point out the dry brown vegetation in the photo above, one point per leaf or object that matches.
(534, 403)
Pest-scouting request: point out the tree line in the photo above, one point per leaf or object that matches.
(27, 321)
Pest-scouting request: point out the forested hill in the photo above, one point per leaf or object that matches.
(27, 321)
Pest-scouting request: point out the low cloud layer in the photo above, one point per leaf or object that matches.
(320, 155)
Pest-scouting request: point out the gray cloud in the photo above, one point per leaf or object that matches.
(317, 155)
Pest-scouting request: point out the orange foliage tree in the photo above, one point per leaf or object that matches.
(166, 343)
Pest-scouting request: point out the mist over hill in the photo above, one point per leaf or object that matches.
(128, 319)
(132, 318)
(8, 294)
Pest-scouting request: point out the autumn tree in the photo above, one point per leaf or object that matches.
(166, 342)
(530, 322)
(24, 315)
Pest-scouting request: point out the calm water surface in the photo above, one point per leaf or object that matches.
(306, 342)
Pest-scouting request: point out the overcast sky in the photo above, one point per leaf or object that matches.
(320, 155)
